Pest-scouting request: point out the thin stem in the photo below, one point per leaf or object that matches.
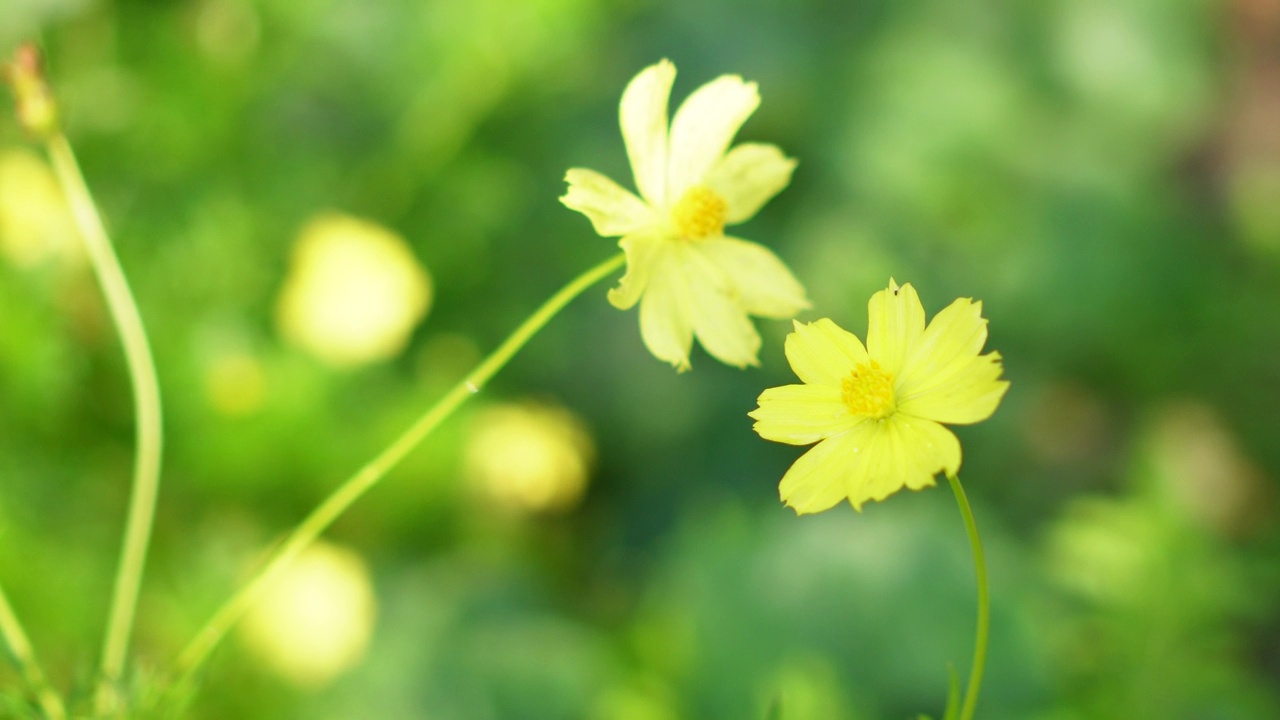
(18, 644)
(197, 651)
(146, 399)
(984, 602)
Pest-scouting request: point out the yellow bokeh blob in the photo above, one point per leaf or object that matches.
(235, 383)
(315, 620)
(354, 292)
(35, 221)
(529, 457)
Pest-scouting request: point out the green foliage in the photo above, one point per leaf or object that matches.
(1093, 171)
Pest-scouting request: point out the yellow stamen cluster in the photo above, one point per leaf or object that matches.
(700, 214)
(868, 391)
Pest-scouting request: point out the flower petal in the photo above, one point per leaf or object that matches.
(666, 322)
(816, 481)
(612, 209)
(954, 336)
(821, 353)
(748, 177)
(929, 448)
(900, 451)
(944, 378)
(971, 394)
(704, 126)
(642, 255)
(719, 320)
(896, 321)
(801, 414)
(763, 284)
(643, 116)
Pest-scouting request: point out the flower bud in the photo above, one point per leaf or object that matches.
(36, 109)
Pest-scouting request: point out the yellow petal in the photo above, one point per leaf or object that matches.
(816, 481)
(748, 177)
(900, 451)
(929, 447)
(953, 338)
(719, 320)
(801, 414)
(762, 283)
(612, 209)
(896, 322)
(821, 353)
(969, 395)
(666, 322)
(643, 116)
(704, 126)
(944, 378)
(642, 254)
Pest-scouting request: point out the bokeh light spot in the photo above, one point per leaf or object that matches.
(529, 457)
(315, 621)
(354, 292)
(235, 384)
(35, 222)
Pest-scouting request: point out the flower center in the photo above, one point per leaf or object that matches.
(700, 214)
(868, 391)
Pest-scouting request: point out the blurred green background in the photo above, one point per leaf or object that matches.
(1103, 174)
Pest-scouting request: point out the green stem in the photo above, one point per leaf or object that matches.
(984, 602)
(18, 644)
(146, 399)
(198, 650)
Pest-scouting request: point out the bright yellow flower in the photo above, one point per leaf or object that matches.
(876, 412)
(688, 276)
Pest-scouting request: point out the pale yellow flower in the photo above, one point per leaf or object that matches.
(316, 621)
(354, 292)
(688, 276)
(876, 412)
(529, 457)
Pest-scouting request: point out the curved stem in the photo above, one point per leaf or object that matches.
(197, 651)
(146, 398)
(18, 644)
(984, 602)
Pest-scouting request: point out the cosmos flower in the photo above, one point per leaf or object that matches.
(877, 412)
(354, 292)
(318, 620)
(689, 278)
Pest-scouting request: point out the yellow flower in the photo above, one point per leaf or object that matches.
(317, 621)
(354, 292)
(529, 457)
(876, 412)
(688, 276)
